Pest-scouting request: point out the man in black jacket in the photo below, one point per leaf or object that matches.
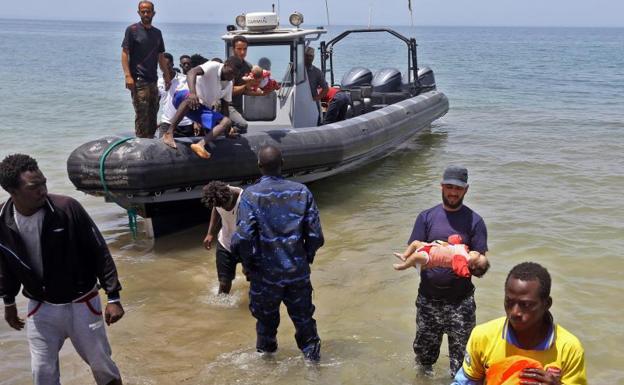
(50, 246)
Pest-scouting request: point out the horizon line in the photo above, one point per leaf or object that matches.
(325, 26)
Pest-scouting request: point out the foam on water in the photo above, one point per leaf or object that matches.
(215, 299)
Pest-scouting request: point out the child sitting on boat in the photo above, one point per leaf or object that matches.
(260, 79)
(452, 254)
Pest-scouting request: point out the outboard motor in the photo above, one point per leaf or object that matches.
(426, 79)
(356, 77)
(387, 80)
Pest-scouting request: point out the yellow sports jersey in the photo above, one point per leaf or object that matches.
(493, 341)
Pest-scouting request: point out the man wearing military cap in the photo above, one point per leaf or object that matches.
(445, 302)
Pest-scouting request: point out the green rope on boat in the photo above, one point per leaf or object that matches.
(132, 221)
(132, 213)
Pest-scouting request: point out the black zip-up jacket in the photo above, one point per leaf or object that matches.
(74, 255)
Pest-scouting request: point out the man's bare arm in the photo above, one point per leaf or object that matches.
(213, 228)
(125, 64)
(191, 78)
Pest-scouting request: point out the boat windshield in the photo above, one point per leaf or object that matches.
(274, 58)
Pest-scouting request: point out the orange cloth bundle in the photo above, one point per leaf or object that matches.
(507, 371)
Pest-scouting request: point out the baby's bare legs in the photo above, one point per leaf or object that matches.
(416, 258)
(415, 245)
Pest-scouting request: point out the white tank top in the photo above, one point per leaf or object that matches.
(228, 222)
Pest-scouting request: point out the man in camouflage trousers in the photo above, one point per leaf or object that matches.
(142, 49)
(445, 302)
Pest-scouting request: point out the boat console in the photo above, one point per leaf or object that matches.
(280, 50)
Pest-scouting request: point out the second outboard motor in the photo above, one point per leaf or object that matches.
(387, 80)
(426, 79)
(356, 77)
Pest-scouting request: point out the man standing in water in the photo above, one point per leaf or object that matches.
(527, 333)
(279, 232)
(50, 246)
(445, 302)
(142, 49)
(223, 201)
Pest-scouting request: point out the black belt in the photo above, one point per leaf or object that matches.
(141, 79)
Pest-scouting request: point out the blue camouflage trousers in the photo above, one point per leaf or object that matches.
(437, 317)
(264, 303)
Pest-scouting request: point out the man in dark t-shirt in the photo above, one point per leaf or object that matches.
(445, 303)
(239, 48)
(318, 85)
(142, 51)
(316, 78)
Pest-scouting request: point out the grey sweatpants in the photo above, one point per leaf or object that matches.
(48, 326)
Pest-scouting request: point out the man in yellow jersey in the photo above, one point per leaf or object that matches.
(527, 333)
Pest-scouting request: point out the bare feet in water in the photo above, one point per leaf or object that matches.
(168, 139)
(200, 150)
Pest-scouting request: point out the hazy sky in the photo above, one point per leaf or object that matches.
(594, 13)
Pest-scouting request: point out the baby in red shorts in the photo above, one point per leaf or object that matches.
(452, 254)
(260, 79)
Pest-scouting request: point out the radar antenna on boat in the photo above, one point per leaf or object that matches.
(327, 12)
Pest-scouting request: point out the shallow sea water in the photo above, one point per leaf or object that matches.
(536, 115)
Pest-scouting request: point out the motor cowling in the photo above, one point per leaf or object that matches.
(426, 79)
(356, 77)
(387, 80)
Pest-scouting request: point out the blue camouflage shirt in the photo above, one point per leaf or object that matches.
(278, 230)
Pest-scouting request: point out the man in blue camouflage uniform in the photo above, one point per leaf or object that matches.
(278, 234)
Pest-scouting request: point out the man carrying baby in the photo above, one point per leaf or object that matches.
(445, 302)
